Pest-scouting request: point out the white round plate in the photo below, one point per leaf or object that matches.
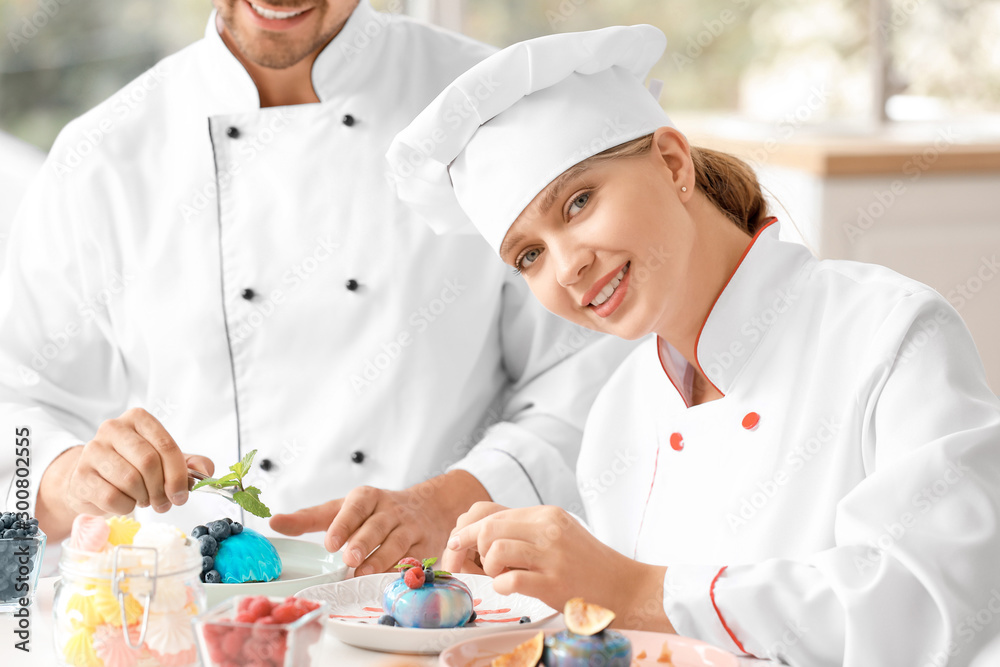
(686, 652)
(356, 605)
(303, 564)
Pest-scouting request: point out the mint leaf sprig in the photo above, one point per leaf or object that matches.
(245, 497)
(425, 563)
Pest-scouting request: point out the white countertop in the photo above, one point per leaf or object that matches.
(333, 651)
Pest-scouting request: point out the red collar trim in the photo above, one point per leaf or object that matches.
(697, 340)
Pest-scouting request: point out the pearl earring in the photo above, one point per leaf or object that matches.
(684, 188)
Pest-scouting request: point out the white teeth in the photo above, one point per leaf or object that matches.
(268, 14)
(610, 288)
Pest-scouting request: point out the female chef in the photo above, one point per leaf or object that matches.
(800, 463)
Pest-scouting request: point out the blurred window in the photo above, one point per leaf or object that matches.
(761, 59)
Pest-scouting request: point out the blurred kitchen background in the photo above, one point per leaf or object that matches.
(874, 124)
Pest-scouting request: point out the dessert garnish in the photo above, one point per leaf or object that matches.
(586, 619)
(415, 573)
(246, 497)
(527, 654)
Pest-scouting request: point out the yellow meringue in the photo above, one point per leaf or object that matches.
(109, 608)
(81, 608)
(79, 650)
(123, 530)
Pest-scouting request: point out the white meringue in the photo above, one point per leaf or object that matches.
(169, 633)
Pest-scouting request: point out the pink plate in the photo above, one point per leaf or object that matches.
(687, 652)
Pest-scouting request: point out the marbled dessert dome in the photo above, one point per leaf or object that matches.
(445, 602)
(247, 556)
(607, 648)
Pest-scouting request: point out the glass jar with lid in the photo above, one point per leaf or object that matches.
(129, 604)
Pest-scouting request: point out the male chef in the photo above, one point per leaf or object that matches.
(212, 262)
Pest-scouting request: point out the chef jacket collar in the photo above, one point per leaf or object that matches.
(760, 290)
(362, 32)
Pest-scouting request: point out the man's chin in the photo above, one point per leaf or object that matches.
(269, 53)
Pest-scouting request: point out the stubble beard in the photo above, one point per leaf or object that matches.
(279, 51)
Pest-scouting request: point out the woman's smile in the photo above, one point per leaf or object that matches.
(608, 292)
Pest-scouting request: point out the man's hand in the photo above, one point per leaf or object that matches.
(414, 522)
(132, 461)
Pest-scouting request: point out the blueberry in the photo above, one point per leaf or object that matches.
(524, 619)
(236, 527)
(387, 619)
(219, 530)
(207, 563)
(227, 520)
(198, 531)
(428, 575)
(3, 534)
(208, 545)
(32, 530)
(213, 577)
(33, 521)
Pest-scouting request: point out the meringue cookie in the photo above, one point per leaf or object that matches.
(123, 530)
(79, 650)
(111, 611)
(169, 633)
(81, 608)
(89, 533)
(171, 595)
(179, 659)
(111, 647)
(169, 542)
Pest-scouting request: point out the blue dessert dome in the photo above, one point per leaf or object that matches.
(607, 648)
(247, 556)
(444, 603)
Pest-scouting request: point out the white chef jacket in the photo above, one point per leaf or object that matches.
(187, 251)
(840, 504)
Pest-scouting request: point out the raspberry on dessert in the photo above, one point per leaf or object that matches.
(414, 577)
(411, 561)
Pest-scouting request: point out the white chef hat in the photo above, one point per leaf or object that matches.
(503, 130)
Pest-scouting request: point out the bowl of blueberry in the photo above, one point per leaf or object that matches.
(22, 545)
(241, 561)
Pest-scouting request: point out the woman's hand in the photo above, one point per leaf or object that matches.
(467, 560)
(545, 553)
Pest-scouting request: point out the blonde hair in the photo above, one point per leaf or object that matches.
(728, 182)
